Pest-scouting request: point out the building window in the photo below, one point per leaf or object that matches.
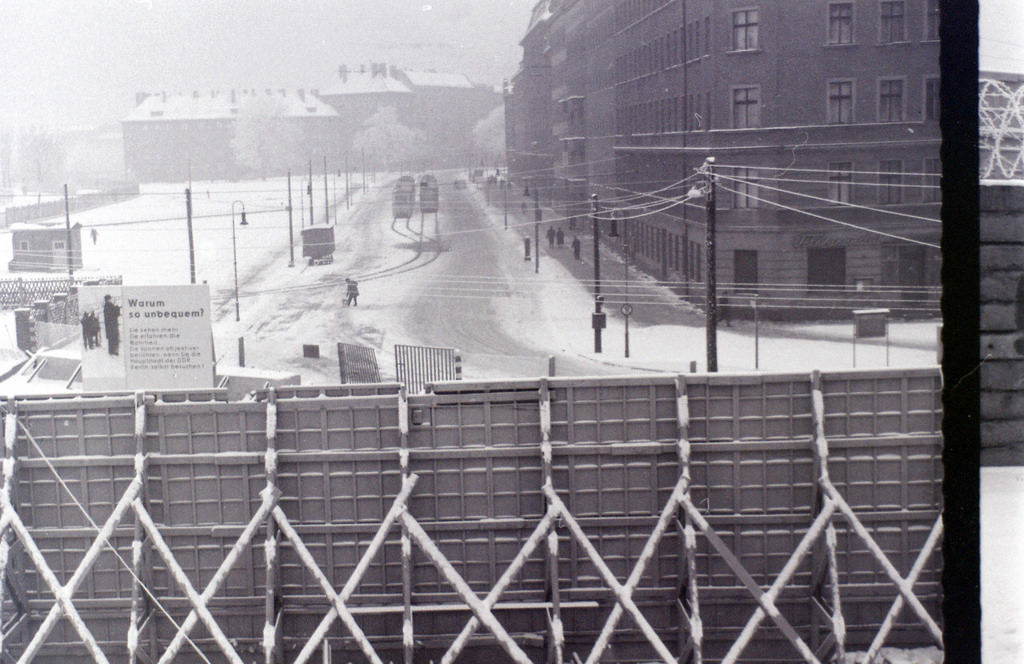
(932, 181)
(890, 180)
(891, 22)
(746, 107)
(840, 23)
(23, 245)
(931, 20)
(744, 30)
(840, 102)
(826, 266)
(890, 100)
(840, 181)
(931, 99)
(58, 244)
(745, 190)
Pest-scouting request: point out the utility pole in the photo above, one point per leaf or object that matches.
(67, 226)
(191, 242)
(348, 192)
(309, 190)
(291, 236)
(362, 154)
(327, 205)
(709, 243)
(599, 317)
(506, 203)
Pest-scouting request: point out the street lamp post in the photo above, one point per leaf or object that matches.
(234, 251)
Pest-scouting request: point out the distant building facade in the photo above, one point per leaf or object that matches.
(172, 137)
(821, 116)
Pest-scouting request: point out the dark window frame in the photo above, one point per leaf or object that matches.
(840, 182)
(836, 95)
(746, 29)
(892, 22)
(746, 106)
(891, 100)
(839, 25)
(890, 181)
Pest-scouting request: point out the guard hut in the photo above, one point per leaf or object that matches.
(39, 248)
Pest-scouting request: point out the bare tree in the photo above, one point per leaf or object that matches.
(489, 135)
(388, 141)
(42, 158)
(265, 139)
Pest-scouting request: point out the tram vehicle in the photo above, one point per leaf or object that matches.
(404, 197)
(428, 194)
(318, 244)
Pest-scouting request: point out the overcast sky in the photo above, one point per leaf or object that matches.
(80, 62)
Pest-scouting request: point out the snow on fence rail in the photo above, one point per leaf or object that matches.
(781, 517)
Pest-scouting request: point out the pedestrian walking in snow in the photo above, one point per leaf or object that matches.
(560, 237)
(575, 247)
(351, 293)
(551, 236)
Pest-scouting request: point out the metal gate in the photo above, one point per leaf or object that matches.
(416, 366)
(362, 523)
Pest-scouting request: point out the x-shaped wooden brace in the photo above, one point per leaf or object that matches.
(897, 605)
(623, 594)
(200, 611)
(905, 587)
(397, 512)
(765, 600)
(64, 606)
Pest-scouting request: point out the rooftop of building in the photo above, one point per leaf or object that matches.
(363, 80)
(224, 105)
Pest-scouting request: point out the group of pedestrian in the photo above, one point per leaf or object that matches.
(90, 330)
(91, 327)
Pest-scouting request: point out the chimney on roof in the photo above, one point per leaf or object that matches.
(343, 73)
(281, 91)
(302, 94)
(362, 69)
(233, 99)
(314, 91)
(195, 94)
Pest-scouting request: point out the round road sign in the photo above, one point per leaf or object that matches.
(626, 309)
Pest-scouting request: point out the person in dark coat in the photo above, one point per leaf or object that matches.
(93, 330)
(351, 293)
(551, 236)
(86, 341)
(111, 312)
(560, 237)
(575, 247)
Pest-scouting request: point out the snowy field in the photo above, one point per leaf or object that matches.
(145, 240)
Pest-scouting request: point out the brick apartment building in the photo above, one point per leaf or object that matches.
(822, 118)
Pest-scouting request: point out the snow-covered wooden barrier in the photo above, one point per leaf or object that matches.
(698, 518)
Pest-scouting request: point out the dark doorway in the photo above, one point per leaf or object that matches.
(745, 270)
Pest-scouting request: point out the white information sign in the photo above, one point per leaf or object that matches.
(146, 337)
